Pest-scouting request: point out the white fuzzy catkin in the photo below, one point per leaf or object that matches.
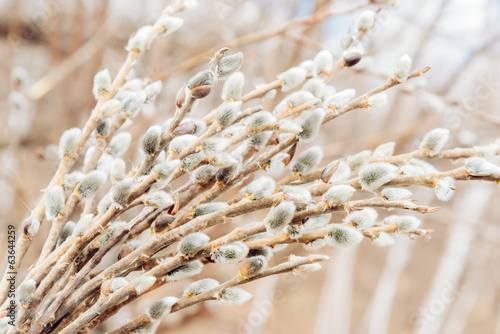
(160, 308)
(117, 170)
(291, 78)
(362, 219)
(344, 236)
(315, 86)
(143, 283)
(486, 151)
(232, 253)
(181, 142)
(184, 271)
(152, 90)
(68, 144)
(383, 240)
(66, 232)
(227, 113)
(314, 245)
(201, 286)
(170, 23)
(384, 150)
(311, 125)
(259, 140)
(204, 174)
(323, 63)
(159, 199)
(110, 107)
(234, 296)
(192, 161)
(102, 83)
(477, 166)
(287, 125)
(214, 145)
(206, 208)
(261, 188)
(316, 222)
(164, 170)
(339, 194)
(26, 292)
(417, 167)
(340, 99)
(253, 266)
(404, 224)
(137, 42)
(377, 101)
(375, 175)
(151, 140)
(444, 189)
(435, 140)
(54, 202)
(307, 268)
(83, 225)
(233, 87)
(298, 193)
(192, 244)
(365, 21)
(260, 120)
(342, 173)
(223, 160)
(297, 99)
(307, 160)
(119, 144)
(30, 227)
(396, 194)
(122, 190)
(132, 103)
(279, 217)
(229, 64)
(402, 68)
(70, 180)
(358, 160)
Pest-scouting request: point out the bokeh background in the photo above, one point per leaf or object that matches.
(449, 284)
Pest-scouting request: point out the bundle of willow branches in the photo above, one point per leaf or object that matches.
(182, 184)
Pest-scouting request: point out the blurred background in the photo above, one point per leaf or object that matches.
(448, 284)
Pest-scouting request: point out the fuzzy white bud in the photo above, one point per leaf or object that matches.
(260, 120)
(83, 225)
(362, 219)
(171, 23)
(122, 190)
(161, 307)
(102, 83)
(396, 194)
(365, 21)
(377, 101)
(260, 188)
(259, 140)
(152, 90)
(233, 87)
(444, 189)
(435, 140)
(223, 160)
(184, 271)
(297, 99)
(339, 100)
(234, 296)
(26, 292)
(315, 86)
(311, 125)
(337, 195)
(137, 42)
(384, 150)
(192, 244)
(214, 145)
(402, 68)
(341, 235)
(54, 202)
(404, 224)
(229, 64)
(477, 166)
(181, 142)
(119, 144)
(204, 174)
(151, 140)
(143, 283)
(132, 103)
(291, 78)
(110, 107)
(323, 63)
(232, 253)
(279, 217)
(307, 160)
(227, 113)
(375, 175)
(68, 144)
(201, 286)
(159, 199)
(358, 160)
(206, 208)
(383, 240)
